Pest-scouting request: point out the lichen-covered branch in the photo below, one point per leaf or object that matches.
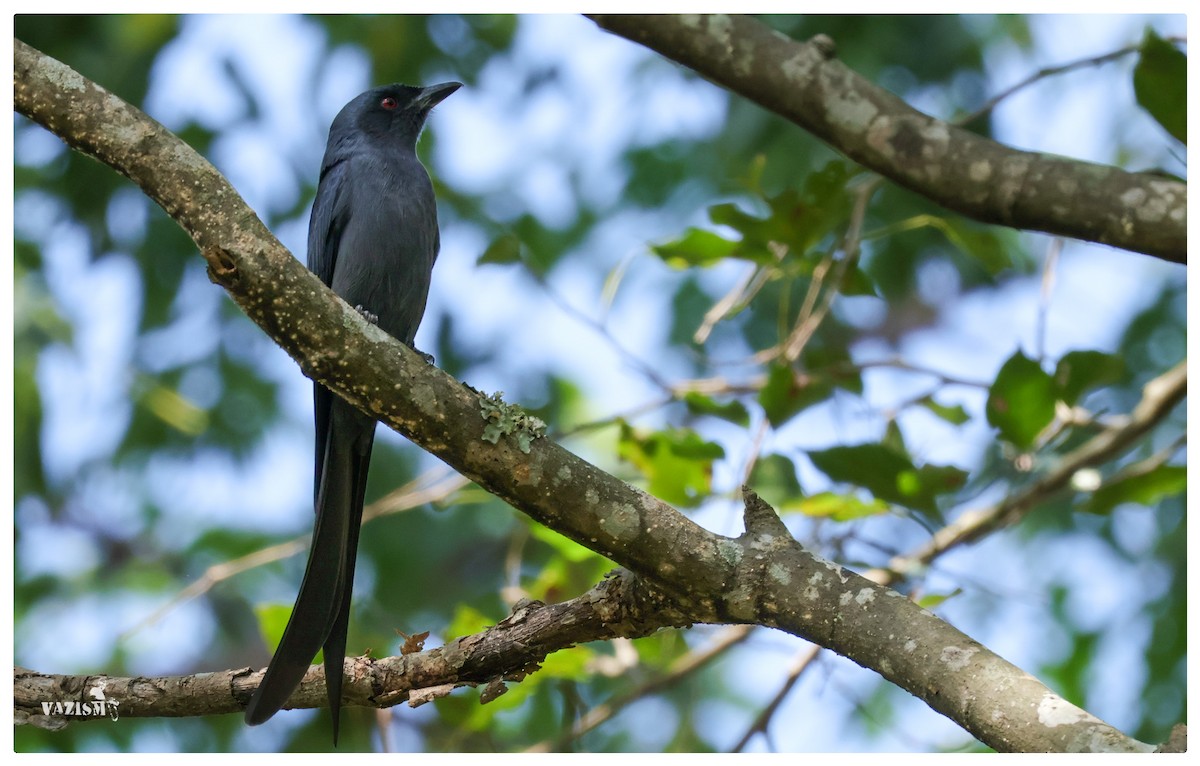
(762, 577)
(962, 171)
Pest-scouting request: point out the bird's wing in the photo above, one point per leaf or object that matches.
(329, 219)
(330, 215)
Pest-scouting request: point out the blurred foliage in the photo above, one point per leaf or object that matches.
(1160, 82)
(767, 322)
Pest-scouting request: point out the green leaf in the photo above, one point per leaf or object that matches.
(956, 414)
(786, 393)
(1160, 84)
(985, 244)
(889, 475)
(803, 218)
(677, 463)
(857, 282)
(272, 619)
(1079, 371)
(733, 411)
(467, 621)
(893, 438)
(839, 507)
(756, 232)
(1021, 400)
(774, 479)
(504, 249)
(931, 600)
(1144, 488)
(565, 547)
(696, 247)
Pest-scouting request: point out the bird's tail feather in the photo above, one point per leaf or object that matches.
(321, 613)
(335, 642)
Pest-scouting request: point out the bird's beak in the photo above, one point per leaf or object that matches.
(434, 94)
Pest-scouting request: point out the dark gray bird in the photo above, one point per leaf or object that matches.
(373, 238)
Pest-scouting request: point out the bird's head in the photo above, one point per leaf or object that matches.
(395, 113)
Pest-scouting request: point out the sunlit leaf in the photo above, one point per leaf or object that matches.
(933, 600)
(272, 619)
(839, 507)
(677, 463)
(696, 247)
(467, 621)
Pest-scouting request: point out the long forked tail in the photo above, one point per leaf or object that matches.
(320, 616)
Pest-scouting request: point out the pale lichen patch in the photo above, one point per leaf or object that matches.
(1053, 711)
(956, 657)
(730, 551)
(780, 574)
(622, 523)
(851, 110)
(979, 171)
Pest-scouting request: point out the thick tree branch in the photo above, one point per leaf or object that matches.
(960, 170)
(763, 577)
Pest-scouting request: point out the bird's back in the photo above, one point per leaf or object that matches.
(383, 235)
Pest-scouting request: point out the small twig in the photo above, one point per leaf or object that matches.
(1046, 72)
(610, 420)
(812, 313)
(750, 283)
(1159, 397)
(602, 329)
(763, 719)
(720, 385)
(1048, 272)
(513, 558)
(404, 498)
(1146, 465)
(679, 669)
(755, 450)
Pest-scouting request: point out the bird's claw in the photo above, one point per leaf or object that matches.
(367, 315)
(427, 357)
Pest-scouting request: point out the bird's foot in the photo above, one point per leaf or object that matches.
(367, 315)
(427, 357)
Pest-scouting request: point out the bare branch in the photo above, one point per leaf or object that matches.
(404, 498)
(962, 171)
(620, 605)
(1052, 71)
(679, 669)
(1159, 397)
(763, 719)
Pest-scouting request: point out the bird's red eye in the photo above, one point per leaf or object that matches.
(389, 103)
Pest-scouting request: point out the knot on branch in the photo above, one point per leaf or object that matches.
(760, 518)
(824, 45)
(222, 269)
